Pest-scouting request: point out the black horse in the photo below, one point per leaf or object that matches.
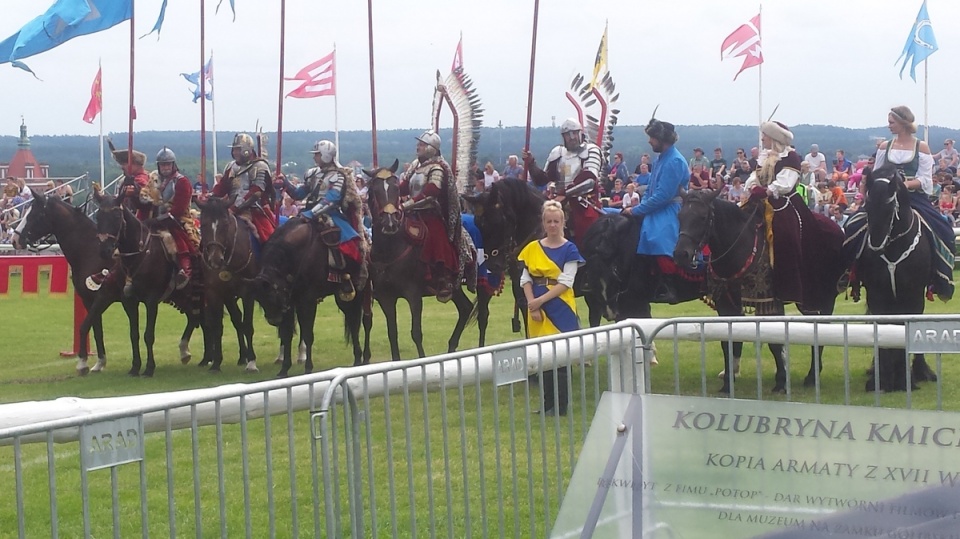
(508, 216)
(145, 261)
(227, 250)
(738, 246)
(893, 267)
(395, 266)
(77, 236)
(292, 279)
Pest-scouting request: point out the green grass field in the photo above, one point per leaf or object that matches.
(495, 451)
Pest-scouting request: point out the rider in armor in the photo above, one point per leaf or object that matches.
(173, 213)
(330, 193)
(574, 167)
(434, 202)
(247, 179)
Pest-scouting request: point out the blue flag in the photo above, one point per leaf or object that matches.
(194, 79)
(920, 44)
(157, 25)
(232, 8)
(65, 20)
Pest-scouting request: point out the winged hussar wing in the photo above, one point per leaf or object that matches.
(458, 91)
(596, 109)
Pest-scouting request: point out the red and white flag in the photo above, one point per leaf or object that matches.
(95, 106)
(319, 78)
(744, 41)
(458, 56)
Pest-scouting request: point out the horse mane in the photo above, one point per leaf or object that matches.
(726, 213)
(285, 247)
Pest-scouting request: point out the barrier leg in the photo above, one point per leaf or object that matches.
(79, 313)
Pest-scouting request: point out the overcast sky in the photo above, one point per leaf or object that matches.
(826, 62)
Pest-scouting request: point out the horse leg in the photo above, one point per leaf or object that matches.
(816, 366)
(94, 318)
(727, 306)
(236, 320)
(352, 313)
(921, 370)
(149, 336)
(463, 314)
(213, 337)
(132, 308)
(416, 322)
(285, 330)
(307, 315)
(367, 318)
(389, 308)
(483, 315)
(251, 354)
(780, 380)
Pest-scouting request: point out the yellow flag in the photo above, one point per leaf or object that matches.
(600, 65)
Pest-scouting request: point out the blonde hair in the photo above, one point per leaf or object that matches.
(552, 205)
(904, 116)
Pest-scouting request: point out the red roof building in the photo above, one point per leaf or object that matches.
(24, 164)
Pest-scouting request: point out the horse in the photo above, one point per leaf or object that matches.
(508, 216)
(893, 267)
(227, 252)
(738, 245)
(395, 266)
(145, 261)
(292, 279)
(77, 235)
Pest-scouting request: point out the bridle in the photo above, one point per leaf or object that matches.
(708, 230)
(121, 231)
(887, 240)
(228, 255)
(894, 216)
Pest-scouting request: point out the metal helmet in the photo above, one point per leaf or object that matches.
(166, 155)
(569, 125)
(327, 151)
(246, 144)
(430, 138)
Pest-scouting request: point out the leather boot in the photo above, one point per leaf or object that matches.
(444, 284)
(666, 290)
(183, 275)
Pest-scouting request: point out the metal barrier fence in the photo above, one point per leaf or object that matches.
(442, 446)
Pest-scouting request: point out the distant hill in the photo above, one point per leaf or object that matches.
(73, 155)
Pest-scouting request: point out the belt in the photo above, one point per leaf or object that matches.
(544, 281)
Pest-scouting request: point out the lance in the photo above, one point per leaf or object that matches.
(283, 25)
(203, 106)
(373, 86)
(533, 63)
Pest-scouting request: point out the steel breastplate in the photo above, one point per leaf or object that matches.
(569, 166)
(167, 192)
(417, 182)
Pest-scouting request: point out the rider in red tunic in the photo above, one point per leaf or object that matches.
(174, 213)
(435, 204)
(247, 178)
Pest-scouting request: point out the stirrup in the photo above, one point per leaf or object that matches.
(181, 279)
(95, 281)
(445, 292)
(844, 282)
(347, 292)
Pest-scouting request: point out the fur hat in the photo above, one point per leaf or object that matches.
(662, 131)
(778, 132)
(120, 156)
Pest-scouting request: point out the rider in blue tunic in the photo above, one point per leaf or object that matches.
(659, 209)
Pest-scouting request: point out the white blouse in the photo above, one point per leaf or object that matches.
(900, 157)
(783, 184)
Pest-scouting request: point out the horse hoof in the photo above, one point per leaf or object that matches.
(725, 390)
(301, 361)
(809, 381)
(203, 363)
(134, 374)
(278, 361)
(82, 371)
(779, 390)
(281, 374)
(241, 362)
(251, 367)
(214, 369)
(185, 359)
(148, 374)
(98, 367)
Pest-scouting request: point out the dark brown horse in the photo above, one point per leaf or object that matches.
(737, 242)
(77, 236)
(508, 216)
(227, 251)
(396, 269)
(145, 261)
(292, 279)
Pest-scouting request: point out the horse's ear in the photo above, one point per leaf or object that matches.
(230, 199)
(38, 198)
(395, 166)
(369, 173)
(97, 193)
(201, 203)
(710, 196)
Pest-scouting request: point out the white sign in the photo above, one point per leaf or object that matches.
(933, 337)
(111, 443)
(510, 366)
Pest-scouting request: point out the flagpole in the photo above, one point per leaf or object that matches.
(213, 120)
(336, 121)
(533, 63)
(130, 111)
(373, 85)
(926, 122)
(283, 26)
(760, 83)
(203, 104)
(102, 172)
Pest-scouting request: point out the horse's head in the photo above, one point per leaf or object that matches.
(273, 292)
(217, 228)
(35, 224)
(696, 223)
(110, 222)
(383, 194)
(883, 204)
(496, 221)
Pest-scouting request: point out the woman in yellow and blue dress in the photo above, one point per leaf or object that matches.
(549, 269)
